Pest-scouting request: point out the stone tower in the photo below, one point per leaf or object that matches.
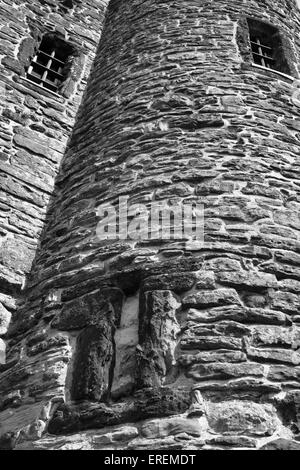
(166, 342)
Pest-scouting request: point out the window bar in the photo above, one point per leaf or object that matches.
(58, 72)
(265, 47)
(53, 58)
(260, 52)
(270, 59)
(46, 69)
(48, 66)
(30, 68)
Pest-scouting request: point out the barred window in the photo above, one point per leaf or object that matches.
(267, 46)
(48, 67)
(262, 53)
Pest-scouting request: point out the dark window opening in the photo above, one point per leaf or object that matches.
(62, 5)
(67, 5)
(262, 54)
(49, 66)
(267, 47)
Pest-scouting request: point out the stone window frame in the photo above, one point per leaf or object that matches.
(74, 66)
(62, 6)
(67, 5)
(286, 59)
(50, 66)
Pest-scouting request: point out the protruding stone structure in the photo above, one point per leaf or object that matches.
(169, 344)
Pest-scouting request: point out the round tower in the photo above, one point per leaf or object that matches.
(186, 330)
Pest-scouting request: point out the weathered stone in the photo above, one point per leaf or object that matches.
(15, 375)
(11, 400)
(279, 373)
(222, 371)
(8, 441)
(172, 426)
(159, 402)
(93, 363)
(246, 387)
(176, 282)
(12, 64)
(242, 417)
(248, 279)
(210, 342)
(273, 355)
(148, 403)
(226, 328)
(175, 112)
(215, 187)
(204, 299)
(74, 442)
(33, 431)
(203, 357)
(91, 309)
(285, 301)
(159, 331)
(206, 280)
(233, 441)
(71, 419)
(169, 443)
(290, 285)
(276, 336)
(16, 253)
(32, 146)
(25, 418)
(179, 189)
(52, 343)
(218, 265)
(281, 444)
(224, 335)
(124, 433)
(239, 314)
(5, 317)
(126, 339)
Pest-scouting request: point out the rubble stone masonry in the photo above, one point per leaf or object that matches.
(152, 344)
(35, 124)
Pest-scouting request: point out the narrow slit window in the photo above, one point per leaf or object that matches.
(48, 66)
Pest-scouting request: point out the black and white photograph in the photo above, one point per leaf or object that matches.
(150, 228)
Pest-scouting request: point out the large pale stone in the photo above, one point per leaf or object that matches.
(2, 351)
(20, 418)
(242, 417)
(204, 299)
(5, 317)
(281, 444)
(126, 340)
(200, 372)
(165, 427)
(277, 336)
(247, 278)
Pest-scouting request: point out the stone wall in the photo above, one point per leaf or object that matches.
(169, 344)
(35, 125)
